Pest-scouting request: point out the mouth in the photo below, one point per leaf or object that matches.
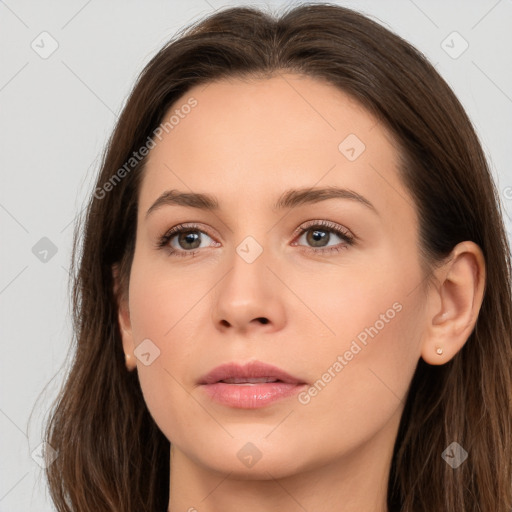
(248, 381)
(249, 386)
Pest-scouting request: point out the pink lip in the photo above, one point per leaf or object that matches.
(249, 395)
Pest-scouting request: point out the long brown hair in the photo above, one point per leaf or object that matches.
(112, 456)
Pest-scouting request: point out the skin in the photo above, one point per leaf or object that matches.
(247, 142)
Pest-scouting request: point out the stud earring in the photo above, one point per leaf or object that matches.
(439, 351)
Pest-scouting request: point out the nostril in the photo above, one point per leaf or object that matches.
(263, 320)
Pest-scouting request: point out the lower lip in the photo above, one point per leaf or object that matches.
(250, 396)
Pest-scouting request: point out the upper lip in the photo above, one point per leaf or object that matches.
(250, 370)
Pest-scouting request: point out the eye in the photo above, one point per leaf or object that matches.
(187, 239)
(183, 240)
(318, 234)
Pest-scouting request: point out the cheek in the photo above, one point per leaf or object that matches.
(361, 380)
(367, 306)
(162, 300)
(364, 363)
(162, 310)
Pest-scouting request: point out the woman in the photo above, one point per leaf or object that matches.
(337, 335)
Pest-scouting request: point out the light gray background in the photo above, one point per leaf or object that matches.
(56, 114)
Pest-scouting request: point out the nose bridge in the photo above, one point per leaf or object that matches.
(248, 279)
(251, 241)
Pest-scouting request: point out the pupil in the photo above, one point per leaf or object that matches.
(189, 238)
(318, 236)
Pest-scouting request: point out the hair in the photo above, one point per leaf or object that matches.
(111, 454)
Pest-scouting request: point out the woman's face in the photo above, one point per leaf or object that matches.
(338, 307)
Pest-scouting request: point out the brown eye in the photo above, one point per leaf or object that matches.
(188, 239)
(319, 234)
(317, 238)
(184, 240)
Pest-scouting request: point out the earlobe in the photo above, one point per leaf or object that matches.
(126, 336)
(130, 362)
(455, 303)
(123, 317)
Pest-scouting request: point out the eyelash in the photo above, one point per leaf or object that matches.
(163, 241)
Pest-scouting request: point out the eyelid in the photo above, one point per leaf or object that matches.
(325, 224)
(164, 239)
(188, 226)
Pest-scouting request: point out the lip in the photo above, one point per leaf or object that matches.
(248, 386)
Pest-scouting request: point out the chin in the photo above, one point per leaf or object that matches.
(254, 459)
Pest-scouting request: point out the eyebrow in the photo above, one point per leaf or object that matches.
(289, 199)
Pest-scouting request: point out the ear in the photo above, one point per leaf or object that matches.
(454, 305)
(123, 315)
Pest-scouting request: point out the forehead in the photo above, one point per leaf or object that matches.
(246, 139)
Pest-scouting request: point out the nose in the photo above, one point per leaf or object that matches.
(249, 298)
